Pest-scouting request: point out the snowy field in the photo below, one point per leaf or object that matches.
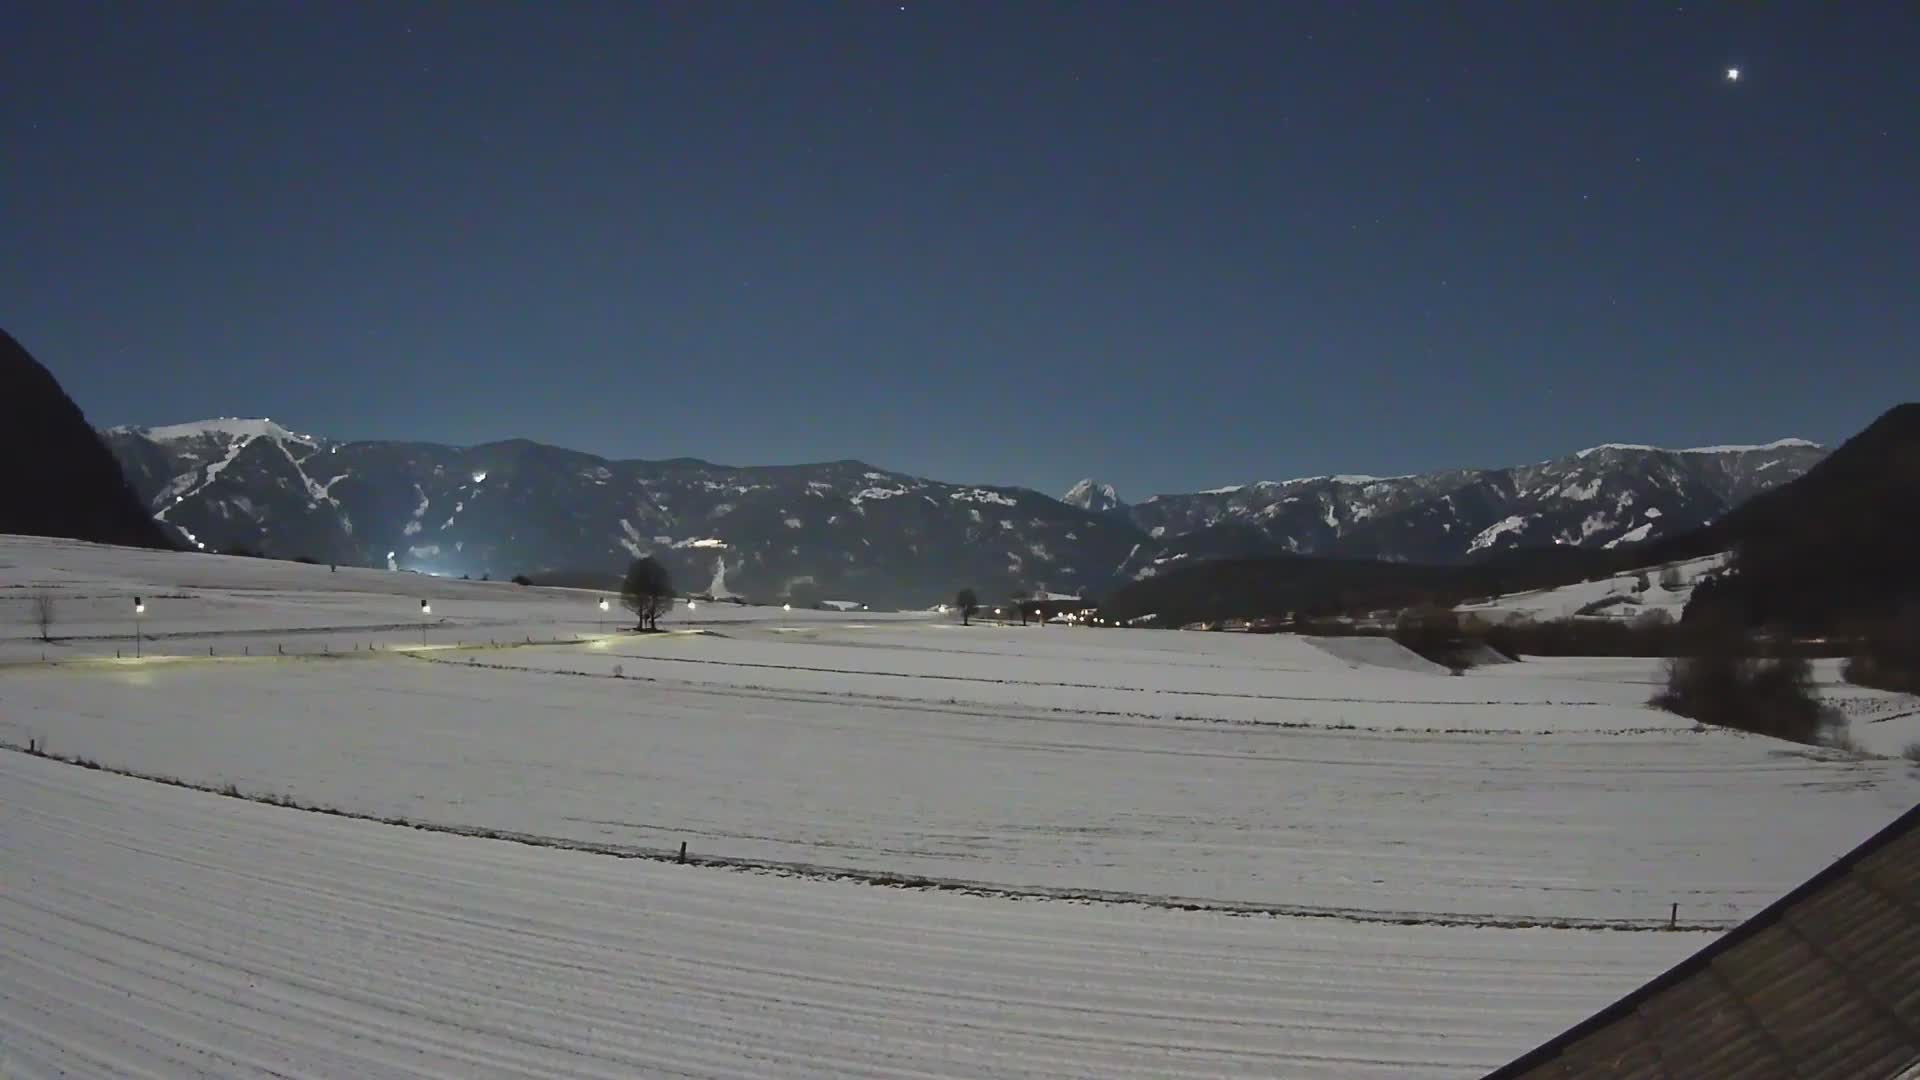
(227, 604)
(1449, 869)
(1622, 590)
(1880, 722)
(151, 931)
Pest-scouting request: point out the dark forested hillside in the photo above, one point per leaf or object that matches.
(61, 479)
(1840, 545)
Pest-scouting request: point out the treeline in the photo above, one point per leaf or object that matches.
(1887, 655)
(1716, 673)
(1717, 682)
(1311, 588)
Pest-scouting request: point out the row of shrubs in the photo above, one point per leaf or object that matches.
(1715, 673)
(1765, 695)
(1887, 655)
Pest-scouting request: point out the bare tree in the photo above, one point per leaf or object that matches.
(647, 592)
(43, 614)
(968, 602)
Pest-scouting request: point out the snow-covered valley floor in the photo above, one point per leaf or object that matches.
(1461, 866)
(148, 930)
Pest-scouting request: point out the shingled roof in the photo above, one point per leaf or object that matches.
(1825, 983)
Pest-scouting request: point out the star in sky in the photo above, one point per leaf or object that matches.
(1733, 74)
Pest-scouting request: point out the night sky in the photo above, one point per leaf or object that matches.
(1171, 245)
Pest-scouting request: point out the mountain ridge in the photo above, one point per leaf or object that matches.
(804, 531)
(1828, 551)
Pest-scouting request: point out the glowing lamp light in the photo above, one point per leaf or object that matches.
(691, 605)
(1733, 74)
(786, 607)
(139, 606)
(603, 603)
(426, 608)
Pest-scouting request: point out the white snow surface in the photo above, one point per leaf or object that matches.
(1564, 601)
(1777, 444)
(1508, 814)
(232, 426)
(1631, 536)
(1487, 536)
(157, 931)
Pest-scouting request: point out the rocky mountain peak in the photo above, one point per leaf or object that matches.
(1093, 496)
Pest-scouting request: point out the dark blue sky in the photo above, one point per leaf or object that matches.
(1170, 245)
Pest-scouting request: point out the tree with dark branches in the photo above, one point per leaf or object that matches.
(968, 603)
(647, 592)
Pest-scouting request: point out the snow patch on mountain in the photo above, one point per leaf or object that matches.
(1486, 537)
(1631, 536)
(1093, 496)
(1777, 444)
(1581, 492)
(631, 541)
(213, 472)
(230, 426)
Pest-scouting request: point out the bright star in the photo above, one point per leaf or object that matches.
(1733, 74)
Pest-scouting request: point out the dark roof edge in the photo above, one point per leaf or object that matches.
(1771, 914)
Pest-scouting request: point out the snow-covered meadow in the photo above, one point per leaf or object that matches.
(1616, 597)
(1534, 822)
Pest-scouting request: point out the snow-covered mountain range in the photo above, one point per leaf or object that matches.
(848, 530)
(836, 530)
(1604, 496)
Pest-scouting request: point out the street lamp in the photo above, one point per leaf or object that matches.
(139, 609)
(426, 609)
(603, 611)
(691, 605)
